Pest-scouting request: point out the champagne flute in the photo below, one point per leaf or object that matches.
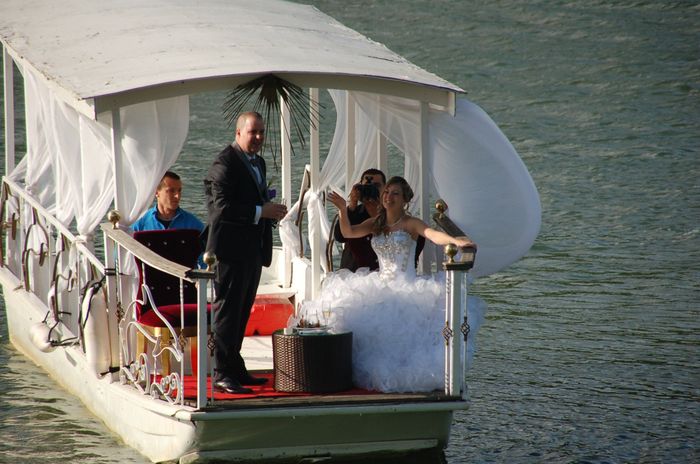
(326, 311)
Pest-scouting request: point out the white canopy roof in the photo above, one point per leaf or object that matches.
(89, 51)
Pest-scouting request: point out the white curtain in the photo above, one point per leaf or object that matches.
(395, 118)
(68, 167)
(37, 165)
(332, 173)
(487, 187)
(472, 166)
(92, 174)
(153, 134)
(398, 119)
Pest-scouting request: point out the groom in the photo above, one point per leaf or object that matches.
(240, 235)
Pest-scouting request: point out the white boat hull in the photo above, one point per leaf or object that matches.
(165, 432)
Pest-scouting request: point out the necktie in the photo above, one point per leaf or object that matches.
(255, 162)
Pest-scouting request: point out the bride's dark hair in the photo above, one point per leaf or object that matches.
(379, 225)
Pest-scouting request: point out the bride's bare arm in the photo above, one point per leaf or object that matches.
(349, 230)
(418, 227)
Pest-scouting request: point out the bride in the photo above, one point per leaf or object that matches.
(396, 317)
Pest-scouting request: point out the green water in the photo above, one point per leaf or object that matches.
(590, 348)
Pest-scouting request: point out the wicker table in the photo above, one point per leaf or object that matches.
(319, 363)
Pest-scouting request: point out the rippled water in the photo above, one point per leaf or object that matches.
(590, 349)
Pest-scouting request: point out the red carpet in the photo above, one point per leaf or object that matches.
(262, 391)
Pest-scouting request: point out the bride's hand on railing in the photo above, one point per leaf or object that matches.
(464, 242)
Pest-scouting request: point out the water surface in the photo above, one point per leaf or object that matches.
(590, 348)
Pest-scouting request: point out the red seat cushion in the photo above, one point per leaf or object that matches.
(172, 314)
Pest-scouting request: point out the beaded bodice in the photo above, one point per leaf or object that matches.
(396, 253)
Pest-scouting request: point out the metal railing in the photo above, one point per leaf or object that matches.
(61, 269)
(140, 367)
(52, 262)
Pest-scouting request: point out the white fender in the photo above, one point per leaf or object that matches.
(95, 336)
(39, 335)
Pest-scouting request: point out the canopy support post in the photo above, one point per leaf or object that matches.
(8, 80)
(113, 323)
(117, 156)
(382, 162)
(286, 148)
(423, 186)
(314, 146)
(349, 142)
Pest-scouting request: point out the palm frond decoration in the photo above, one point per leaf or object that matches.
(266, 92)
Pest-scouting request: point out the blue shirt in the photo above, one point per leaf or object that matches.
(182, 220)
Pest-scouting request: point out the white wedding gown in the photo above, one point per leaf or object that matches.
(396, 319)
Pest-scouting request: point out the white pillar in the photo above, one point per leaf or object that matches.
(112, 289)
(314, 146)
(349, 142)
(109, 252)
(423, 188)
(8, 80)
(286, 144)
(202, 349)
(117, 156)
(455, 354)
(382, 161)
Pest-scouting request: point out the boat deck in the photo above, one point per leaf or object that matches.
(332, 399)
(257, 351)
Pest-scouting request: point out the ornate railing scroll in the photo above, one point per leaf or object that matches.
(140, 367)
(456, 320)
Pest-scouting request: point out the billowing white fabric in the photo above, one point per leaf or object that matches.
(68, 167)
(473, 167)
(62, 126)
(38, 167)
(153, 134)
(332, 174)
(398, 119)
(92, 174)
(488, 189)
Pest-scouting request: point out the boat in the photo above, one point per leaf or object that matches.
(106, 98)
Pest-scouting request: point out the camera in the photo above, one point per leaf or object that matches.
(368, 190)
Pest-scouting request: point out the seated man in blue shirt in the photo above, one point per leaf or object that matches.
(167, 214)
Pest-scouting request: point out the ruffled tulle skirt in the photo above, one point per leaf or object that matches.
(397, 328)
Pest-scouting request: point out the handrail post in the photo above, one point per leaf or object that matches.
(203, 278)
(202, 284)
(454, 377)
(456, 319)
(112, 300)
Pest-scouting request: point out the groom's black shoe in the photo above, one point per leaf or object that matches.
(228, 385)
(247, 379)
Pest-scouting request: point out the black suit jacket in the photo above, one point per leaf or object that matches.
(232, 193)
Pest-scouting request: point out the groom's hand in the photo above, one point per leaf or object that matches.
(274, 211)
